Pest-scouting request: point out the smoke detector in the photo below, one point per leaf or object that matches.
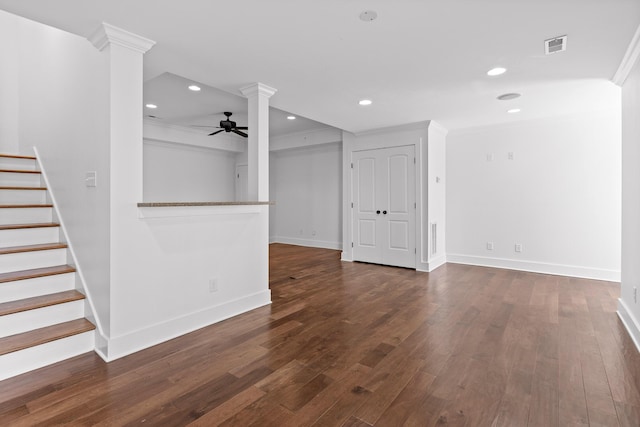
(555, 45)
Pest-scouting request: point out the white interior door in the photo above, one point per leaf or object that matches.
(384, 206)
(242, 183)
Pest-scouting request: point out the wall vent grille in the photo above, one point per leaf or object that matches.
(555, 45)
(434, 238)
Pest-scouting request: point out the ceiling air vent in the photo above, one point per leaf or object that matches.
(555, 45)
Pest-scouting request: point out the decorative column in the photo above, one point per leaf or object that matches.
(123, 82)
(258, 96)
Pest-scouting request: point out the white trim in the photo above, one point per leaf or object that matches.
(537, 267)
(107, 33)
(141, 339)
(307, 242)
(399, 128)
(630, 322)
(147, 212)
(629, 60)
(345, 256)
(257, 89)
(93, 316)
(437, 127)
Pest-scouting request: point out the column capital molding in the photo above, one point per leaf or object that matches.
(106, 34)
(257, 89)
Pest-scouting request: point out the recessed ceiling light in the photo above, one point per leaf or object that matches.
(513, 110)
(365, 102)
(291, 117)
(508, 96)
(194, 88)
(152, 106)
(496, 71)
(368, 15)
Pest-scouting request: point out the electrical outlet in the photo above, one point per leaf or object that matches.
(489, 157)
(510, 155)
(313, 233)
(489, 246)
(213, 285)
(518, 247)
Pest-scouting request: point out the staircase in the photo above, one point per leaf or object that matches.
(41, 312)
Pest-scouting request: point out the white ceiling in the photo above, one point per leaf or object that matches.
(420, 60)
(203, 110)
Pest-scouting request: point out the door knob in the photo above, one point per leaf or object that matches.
(377, 212)
(384, 212)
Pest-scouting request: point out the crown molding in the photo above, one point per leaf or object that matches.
(629, 60)
(398, 128)
(258, 88)
(107, 33)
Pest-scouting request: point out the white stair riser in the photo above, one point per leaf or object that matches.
(29, 236)
(33, 319)
(16, 197)
(25, 215)
(20, 289)
(19, 362)
(35, 259)
(19, 164)
(8, 179)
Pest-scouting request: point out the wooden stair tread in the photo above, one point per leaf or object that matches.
(30, 225)
(44, 335)
(35, 272)
(27, 206)
(32, 248)
(41, 301)
(19, 171)
(23, 188)
(17, 156)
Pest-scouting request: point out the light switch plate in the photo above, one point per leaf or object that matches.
(90, 179)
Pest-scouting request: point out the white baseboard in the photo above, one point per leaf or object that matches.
(630, 322)
(132, 342)
(432, 264)
(306, 242)
(537, 267)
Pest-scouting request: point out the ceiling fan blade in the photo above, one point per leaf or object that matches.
(242, 127)
(204, 126)
(239, 132)
(216, 132)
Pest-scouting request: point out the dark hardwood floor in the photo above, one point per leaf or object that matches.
(350, 344)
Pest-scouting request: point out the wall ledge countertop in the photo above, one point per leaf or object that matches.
(182, 204)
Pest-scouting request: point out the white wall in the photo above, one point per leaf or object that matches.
(182, 173)
(307, 192)
(559, 197)
(434, 249)
(57, 100)
(9, 72)
(628, 307)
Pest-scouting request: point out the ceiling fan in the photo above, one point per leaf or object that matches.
(230, 126)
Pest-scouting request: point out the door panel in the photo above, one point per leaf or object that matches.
(384, 206)
(398, 186)
(367, 233)
(398, 231)
(366, 178)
